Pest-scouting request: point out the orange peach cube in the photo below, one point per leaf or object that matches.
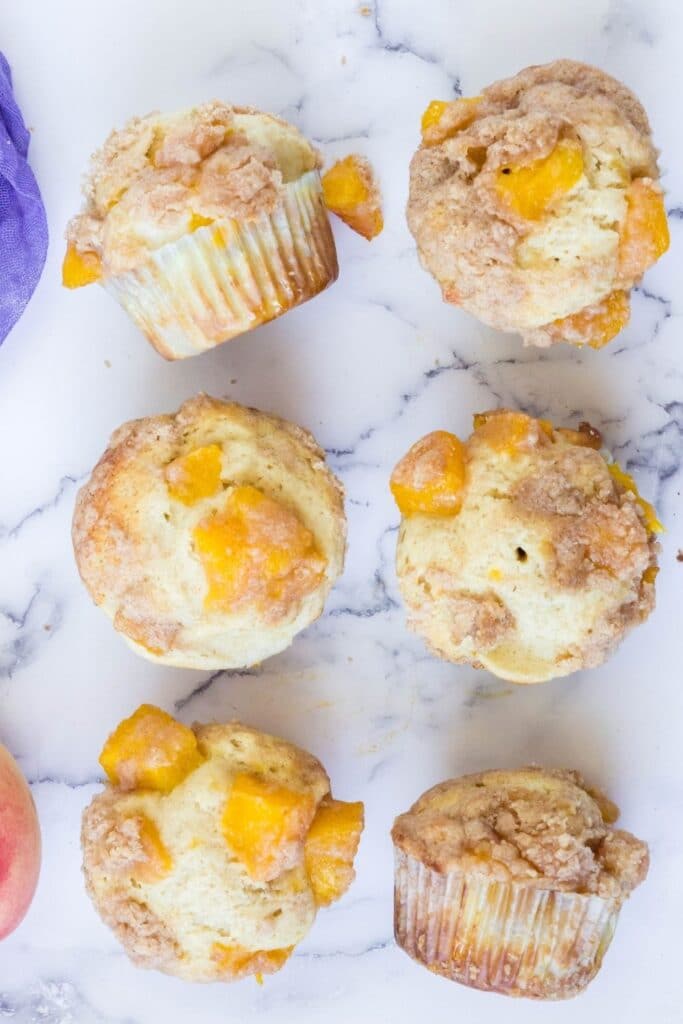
(645, 232)
(350, 190)
(595, 325)
(263, 821)
(530, 189)
(330, 847)
(80, 268)
(195, 476)
(429, 479)
(509, 432)
(154, 861)
(442, 120)
(150, 750)
(626, 481)
(256, 551)
(240, 961)
(19, 845)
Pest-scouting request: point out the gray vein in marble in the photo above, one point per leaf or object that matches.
(21, 632)
(374, 947)
(382, 601)
(403, 46)
(206, 684)
(63, 780)
(66, 485)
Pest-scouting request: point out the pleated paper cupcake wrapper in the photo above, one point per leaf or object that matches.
(500, 936)
(227, 277)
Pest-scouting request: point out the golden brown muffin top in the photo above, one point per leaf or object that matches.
(540, 827)
(162, 176)
(536, 205)
(211, 848)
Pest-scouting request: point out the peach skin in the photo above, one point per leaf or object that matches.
(19, 845)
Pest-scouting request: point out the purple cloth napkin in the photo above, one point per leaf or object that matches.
(23, 226)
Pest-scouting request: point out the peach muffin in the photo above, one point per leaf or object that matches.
(537, 205)
(203, 224)
(212, 848)
(512, 881)
(210, 537)
(523, 550)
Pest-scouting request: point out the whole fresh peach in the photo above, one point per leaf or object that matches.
(19, 844)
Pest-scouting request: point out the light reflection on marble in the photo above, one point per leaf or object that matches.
(369, 366)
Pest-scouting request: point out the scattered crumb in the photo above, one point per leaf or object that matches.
(679, 556)
(365, 10)
(343, 60)
(233, 380)
(47, 627)
(107, 364)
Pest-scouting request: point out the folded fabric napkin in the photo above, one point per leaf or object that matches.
(23, 226)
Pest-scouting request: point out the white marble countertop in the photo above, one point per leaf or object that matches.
(370, 366)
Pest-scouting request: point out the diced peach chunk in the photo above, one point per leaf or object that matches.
(196, 475)
(432, 114)
(150, 750)
(650, 574)
(262, 821)
(430, 477)
(257, 552)
(154, 862)
(626, 481)
(80, 268)
(197, 222)
(530, 189)
(510, 432)
(442, 120)
(240, 961)
(595, 325)
(330, 847)
(19, 845)
(645, 232)
(585, 437)
(350, 190)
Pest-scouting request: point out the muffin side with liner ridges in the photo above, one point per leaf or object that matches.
(211, 849)
(512, 881)
(537, 205)
(210, 537)
(203, 225)
(523, 550)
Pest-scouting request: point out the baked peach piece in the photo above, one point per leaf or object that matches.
(19, 845)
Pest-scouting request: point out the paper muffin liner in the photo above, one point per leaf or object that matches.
(500, 936)
(225, 278)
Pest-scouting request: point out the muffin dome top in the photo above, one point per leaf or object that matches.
(545, 829)
(212, 536)
(162, 176)
(212, 848)
(522, 550)
(536, 205)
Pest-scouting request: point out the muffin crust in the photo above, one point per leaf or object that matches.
(544, 270)
(171, 575)
(162, 176)
(177, 921)
(546, 563)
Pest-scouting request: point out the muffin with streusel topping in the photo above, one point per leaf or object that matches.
(212, 536)
(211, 849)
(512, 881)
(524, 550)
(203, 224)
(537, 205)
